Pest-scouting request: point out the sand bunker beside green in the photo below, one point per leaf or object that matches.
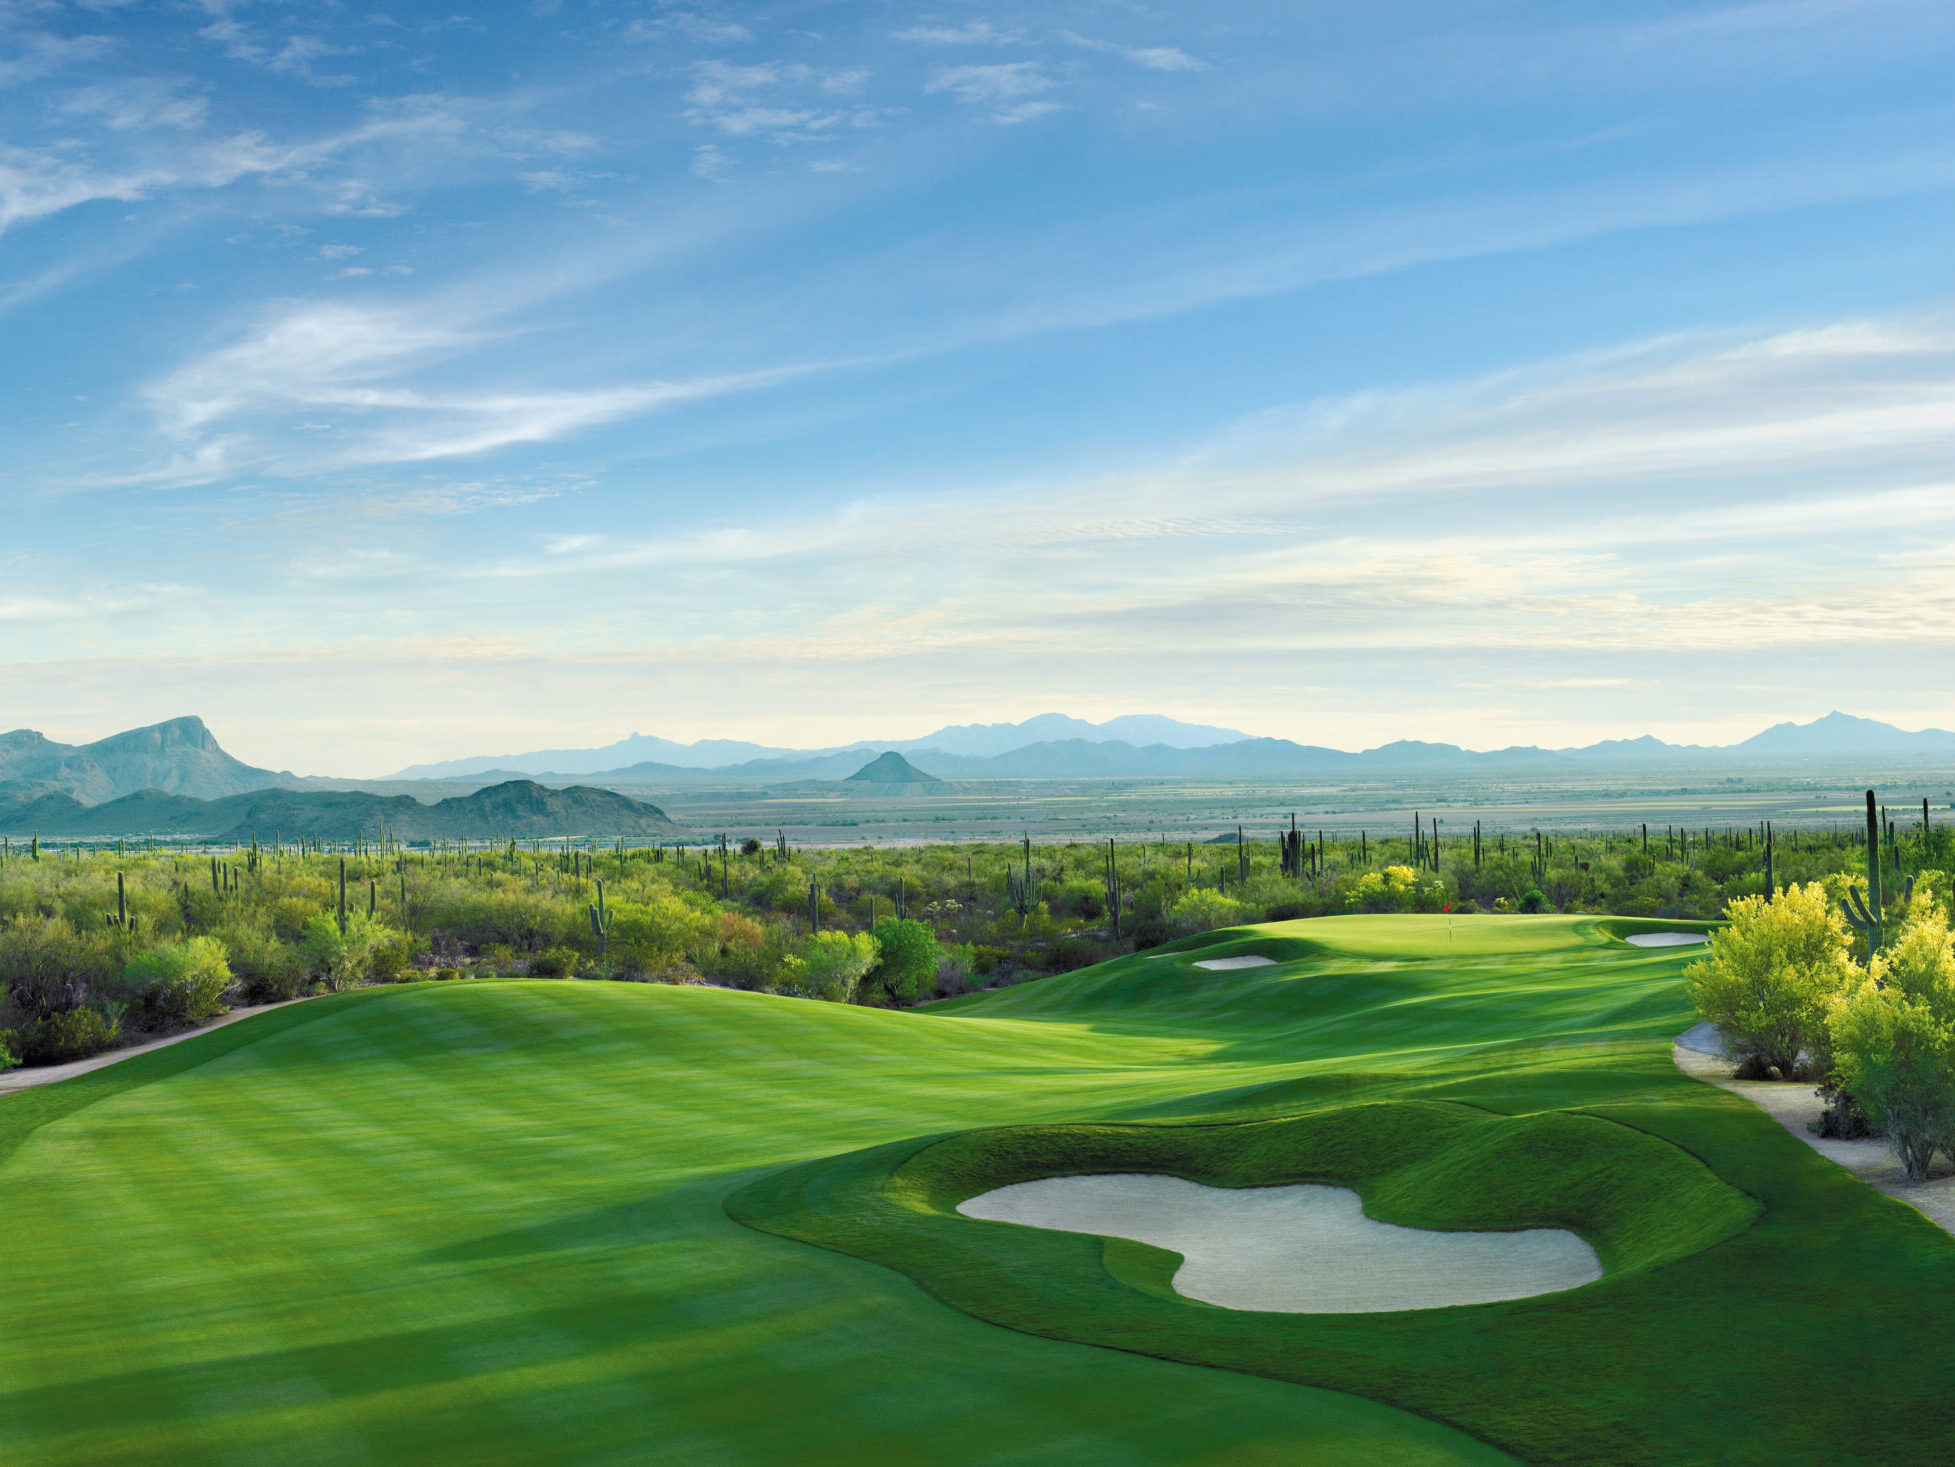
(1304, 1249)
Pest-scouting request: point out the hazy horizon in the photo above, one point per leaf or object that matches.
(885, 739)
(394, 387)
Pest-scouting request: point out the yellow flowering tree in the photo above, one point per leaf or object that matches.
(1893, 1039)
(1773, 975)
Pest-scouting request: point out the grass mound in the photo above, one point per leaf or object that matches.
(1641, 1202)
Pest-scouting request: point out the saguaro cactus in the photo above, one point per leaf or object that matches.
(342, 896)
(121, 919)
(1113, 885)
(600, 920)
(1865, 916)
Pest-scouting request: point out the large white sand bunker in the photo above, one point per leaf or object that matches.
(1665, 939)
(1298, 1249)
(1224, 965)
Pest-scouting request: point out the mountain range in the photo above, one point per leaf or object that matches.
(976, 740)
(168, 777)
(1835, 740)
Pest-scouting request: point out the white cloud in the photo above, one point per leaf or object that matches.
(690, 25)
(37, 52)
(1151, 58)
(973, 33)
(296, 58)
(1010, 89)
(229, 408)
(35, 184)
(1024, 112)
(746, 101)
(126, 104)
(1672, 499)
(1001, 82)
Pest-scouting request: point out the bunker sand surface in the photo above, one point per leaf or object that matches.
(1795, 1105)
(1303, 1249)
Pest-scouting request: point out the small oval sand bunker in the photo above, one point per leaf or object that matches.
(1304, 1249)
(1665, 939)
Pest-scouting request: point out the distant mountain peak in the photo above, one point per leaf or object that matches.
(179, 756)
(187, 732)
(892, 768)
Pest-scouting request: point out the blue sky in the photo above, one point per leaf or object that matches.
(392, 383)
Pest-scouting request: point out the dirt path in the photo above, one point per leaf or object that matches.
(1793, 1104)
(28, 1079)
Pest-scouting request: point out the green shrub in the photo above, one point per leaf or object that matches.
(291, 914)
(555, 962)
(51, 967)
(1532, 900)
(986, 958)
(180, 982)
(1064, 954)
(391, 956)
(832, 965)
(344, 960)
(267, 971)
(906, 964)
(71, 1034)
(657, 934)
(9, 1050)
(1203, 910)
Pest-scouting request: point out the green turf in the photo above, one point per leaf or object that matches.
(485, 1223)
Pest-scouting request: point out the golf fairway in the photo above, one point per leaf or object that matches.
(486, 1222)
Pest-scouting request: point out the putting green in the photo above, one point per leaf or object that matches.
(486, 1223)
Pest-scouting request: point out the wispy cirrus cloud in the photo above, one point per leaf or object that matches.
(784, 102)
(971, 33)
(1149, 58)
(1014, 90)
(1662, 498)
(234, 409)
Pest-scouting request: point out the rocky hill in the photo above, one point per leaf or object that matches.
(519, 809)
(180, 757)
(891, 768)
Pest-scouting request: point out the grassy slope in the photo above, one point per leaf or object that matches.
(484, 1222)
